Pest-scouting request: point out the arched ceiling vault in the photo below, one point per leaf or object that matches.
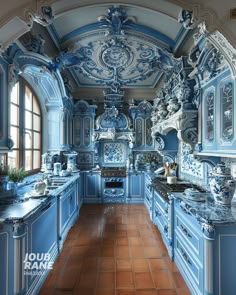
(102, 44)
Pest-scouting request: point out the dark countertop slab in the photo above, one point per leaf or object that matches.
(207, 210)
(29, 205)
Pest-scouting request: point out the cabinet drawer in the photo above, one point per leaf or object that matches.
(148, 195)
(190, 269)
(192, 237)
(161, 202)
(160, 220)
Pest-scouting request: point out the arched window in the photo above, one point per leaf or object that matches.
(25, 128)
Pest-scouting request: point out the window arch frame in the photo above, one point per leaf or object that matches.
(21, 147)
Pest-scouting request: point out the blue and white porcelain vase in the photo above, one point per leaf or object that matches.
(222, 185)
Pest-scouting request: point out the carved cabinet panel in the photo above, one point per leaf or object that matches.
(143, 137)
(83, 125)
(83, 128)
(141, 115)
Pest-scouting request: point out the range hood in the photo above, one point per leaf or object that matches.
(113, 124)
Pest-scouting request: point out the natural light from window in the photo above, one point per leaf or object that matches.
(25, 128)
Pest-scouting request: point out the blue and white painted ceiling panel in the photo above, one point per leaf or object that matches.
(107, 45)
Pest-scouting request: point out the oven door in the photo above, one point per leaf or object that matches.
(114, 190)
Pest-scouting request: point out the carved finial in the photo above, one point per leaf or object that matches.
(45, 17)
(186, 19)
(115, 20)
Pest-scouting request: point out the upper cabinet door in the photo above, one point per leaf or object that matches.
(209, 116)
(226, 102)
(143, 126)
(218, 123)
(83, 125)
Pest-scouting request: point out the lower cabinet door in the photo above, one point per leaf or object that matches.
(191, 270)
(42, 245)
(91, 188)
(4, 257)
(136, 188)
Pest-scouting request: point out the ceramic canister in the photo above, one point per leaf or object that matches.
(222, 185)
(57, 168)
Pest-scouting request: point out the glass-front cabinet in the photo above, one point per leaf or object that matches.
(142, 122)
(83, 124)
(226, 101)
(210, 101)
(217, 116)
(83, 129)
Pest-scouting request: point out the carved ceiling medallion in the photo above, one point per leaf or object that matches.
(115, 56)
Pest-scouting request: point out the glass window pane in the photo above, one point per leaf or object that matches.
(36, 122)
(36, 161)
(13, 159)
(28, 120)
(15, 94)
(14, 115)
(15, 136)
(36, 140)
(28, 99)
(36, 108)
(28, 160)
(28, 139)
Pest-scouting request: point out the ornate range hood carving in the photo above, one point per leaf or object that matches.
(113, 124)
(175, 108)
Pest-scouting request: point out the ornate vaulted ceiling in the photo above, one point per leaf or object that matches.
(118, 46)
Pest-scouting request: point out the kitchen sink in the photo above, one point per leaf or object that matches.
(59, 180)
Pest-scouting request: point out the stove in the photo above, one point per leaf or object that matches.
(114, 184)
(114, 172)
(164, 189)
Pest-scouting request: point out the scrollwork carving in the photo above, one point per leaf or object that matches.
(208, 230)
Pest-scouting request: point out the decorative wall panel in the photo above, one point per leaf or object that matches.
(191, 169)
(114, 153)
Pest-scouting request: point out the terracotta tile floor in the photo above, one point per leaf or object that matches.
(114, 250)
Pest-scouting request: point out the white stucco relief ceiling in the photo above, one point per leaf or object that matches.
(94, 56)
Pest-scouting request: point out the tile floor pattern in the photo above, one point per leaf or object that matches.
(114, 249)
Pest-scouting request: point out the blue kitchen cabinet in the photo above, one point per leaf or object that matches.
(79, 192)
(4, 257)
(68, 210)
(7, 260)
(13, 245)
(141, 115)
(217, 128)
(136, 188)
(204, 251)
(162, 217)
(148, 194)
(42, 239)
(83, 131)
(188, 250)
(92, 187)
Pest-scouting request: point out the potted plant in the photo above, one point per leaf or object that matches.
(14, 176)
(150, 160)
